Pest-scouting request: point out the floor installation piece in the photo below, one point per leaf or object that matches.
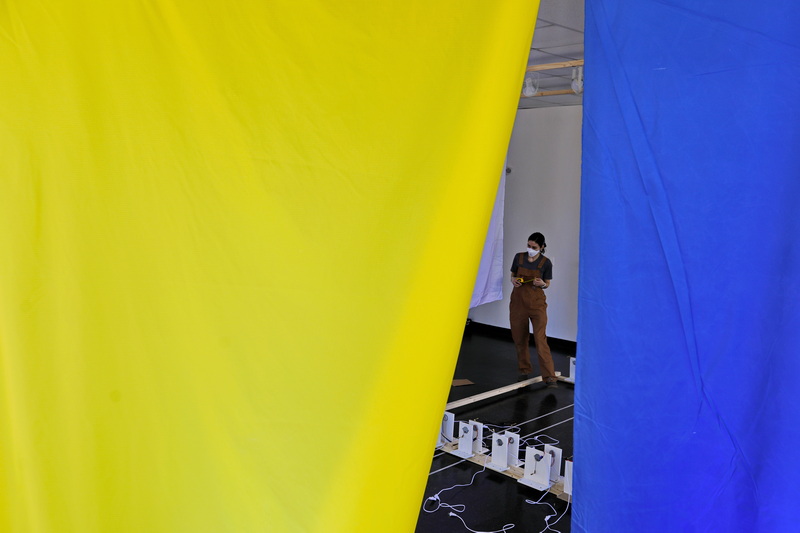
(468, 493)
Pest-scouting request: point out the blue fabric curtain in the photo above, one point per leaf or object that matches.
(687, 416)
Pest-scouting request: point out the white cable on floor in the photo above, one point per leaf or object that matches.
(547, 518)
(569, 498)
(532, 419)
(459, 507)
(538, 440)
(440, 503)
(446, 467)
(503, 530)
(539, 432)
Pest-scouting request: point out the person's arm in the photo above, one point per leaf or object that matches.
(514, 277)
(548, 274)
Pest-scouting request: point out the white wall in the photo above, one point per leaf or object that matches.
(543, 194)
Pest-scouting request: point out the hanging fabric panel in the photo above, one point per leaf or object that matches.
(237, 246)
(689, 316)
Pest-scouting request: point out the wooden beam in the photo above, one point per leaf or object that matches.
(495, 392)
(550, 93)
(553, 93)
(553, 66)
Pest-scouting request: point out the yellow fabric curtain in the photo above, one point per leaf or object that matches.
(237, 245)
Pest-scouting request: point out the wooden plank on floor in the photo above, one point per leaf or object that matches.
(495, 392)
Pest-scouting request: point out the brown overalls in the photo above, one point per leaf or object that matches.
(528, 302)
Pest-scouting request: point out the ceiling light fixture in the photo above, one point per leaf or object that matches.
(577, 79)
(531, 85)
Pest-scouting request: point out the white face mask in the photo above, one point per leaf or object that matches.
(532, 252)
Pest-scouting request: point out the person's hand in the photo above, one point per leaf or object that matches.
(538, 282)
(516, 282)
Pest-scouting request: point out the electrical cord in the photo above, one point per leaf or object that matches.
(455, 509)
(459, 507)
(520, 424)
(514, 426)
(502, 530)
(440, 503)
(538, 440)
(547, 518)
(569, 498)
(552, 441)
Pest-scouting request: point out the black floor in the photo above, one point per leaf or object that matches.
(494, 500)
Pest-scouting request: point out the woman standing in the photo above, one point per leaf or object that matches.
(531, 274)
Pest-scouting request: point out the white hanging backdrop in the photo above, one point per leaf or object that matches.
(489, 283)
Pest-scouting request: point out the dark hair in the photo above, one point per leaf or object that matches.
(538, 238)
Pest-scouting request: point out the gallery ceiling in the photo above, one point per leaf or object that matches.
(558, 38)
